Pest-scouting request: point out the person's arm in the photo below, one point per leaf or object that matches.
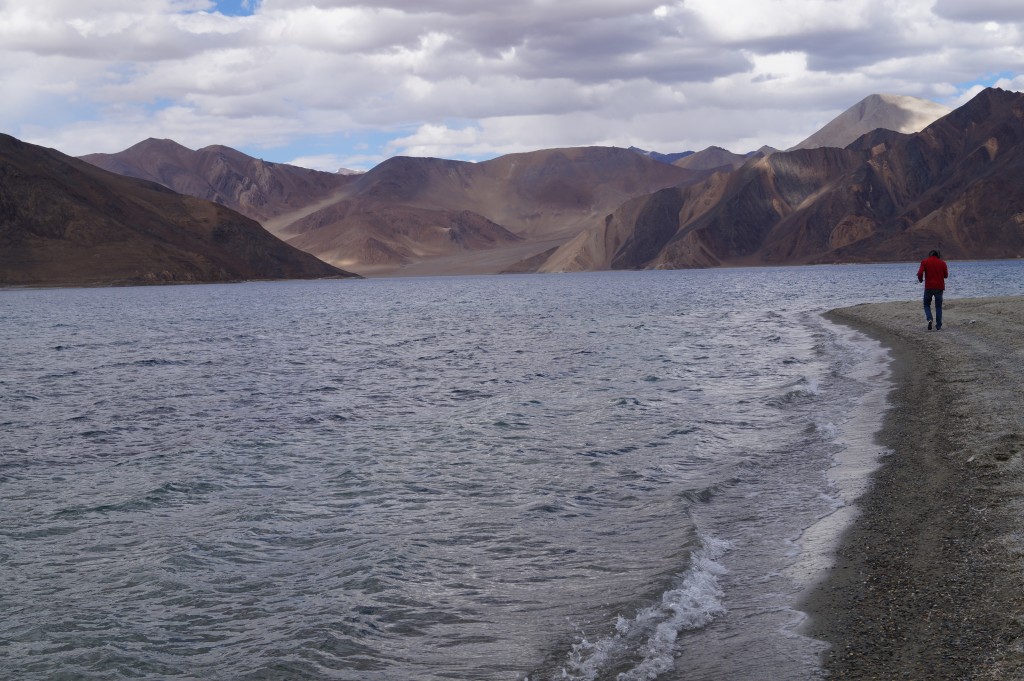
(920, 272)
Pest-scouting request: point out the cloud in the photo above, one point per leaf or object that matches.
(466, 79)
(980, 10)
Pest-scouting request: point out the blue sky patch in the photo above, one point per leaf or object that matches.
(236, 8)
(988, 81)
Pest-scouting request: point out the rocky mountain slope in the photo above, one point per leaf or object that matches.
(859, 189)
(411, 215)
(425, 216)
(66, 222)
(664, 158)
(716, 158)
(253, 187)
(958, 185)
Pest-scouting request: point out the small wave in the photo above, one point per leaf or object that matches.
(510, 425)
(65, 374)
(168, 493)
(701, 495)
(827, 428)
(45, 532)
(645, 645)
(805, 386)
(600, 453)
(798, 391)
(160, 410)
(96, 433)
(468, 394)
(410, 341)
(159, 363)
(152, 363)
(547, 508)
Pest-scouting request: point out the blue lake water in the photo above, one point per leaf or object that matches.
(620, 475)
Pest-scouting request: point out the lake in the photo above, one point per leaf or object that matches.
(625, 475)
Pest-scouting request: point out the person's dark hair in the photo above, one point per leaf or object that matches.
(935, 253)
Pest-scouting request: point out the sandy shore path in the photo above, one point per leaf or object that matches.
(929, 582)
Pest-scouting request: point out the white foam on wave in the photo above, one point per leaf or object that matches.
(827, 428)
(798, 391)
(651, 634)
(810, 386)
(859, 454)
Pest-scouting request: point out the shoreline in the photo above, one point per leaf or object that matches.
(928, 582)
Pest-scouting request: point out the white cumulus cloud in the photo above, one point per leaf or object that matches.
(349, 82)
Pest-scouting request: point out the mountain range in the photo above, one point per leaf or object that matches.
(957, 185)
(66, 222)
(414, 215)
(886, 180)
(256, 188)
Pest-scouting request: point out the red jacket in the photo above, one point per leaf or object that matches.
(933, 272)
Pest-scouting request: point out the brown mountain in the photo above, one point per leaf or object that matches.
(66, 222)
(411, 215)
(426, 216)
(253, 187)
(733, 207)
(715, 158)
(958, 185)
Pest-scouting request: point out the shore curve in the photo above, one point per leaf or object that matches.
(929, 580)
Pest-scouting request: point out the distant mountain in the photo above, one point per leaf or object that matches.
(66, 222)
(891, 112)
(664, 158)
(958, 186)
(715, 158)
(255, 188)
(428, 216)
(734, 206)
(418, 215)
(603, 207)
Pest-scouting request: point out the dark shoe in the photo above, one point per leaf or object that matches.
(929, 325)
(938, 326)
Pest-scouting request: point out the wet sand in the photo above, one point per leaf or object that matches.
(929, 580)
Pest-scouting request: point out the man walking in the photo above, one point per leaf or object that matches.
(933, 273)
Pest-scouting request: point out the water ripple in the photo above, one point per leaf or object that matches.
(464, 478)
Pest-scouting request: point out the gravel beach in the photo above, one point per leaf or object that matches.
(929, 580)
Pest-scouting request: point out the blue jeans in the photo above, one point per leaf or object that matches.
(930, 293)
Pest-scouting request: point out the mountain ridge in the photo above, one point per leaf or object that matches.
(957, 185)
(510, 208)
(261, 190)
(601, 207)
(66, 222)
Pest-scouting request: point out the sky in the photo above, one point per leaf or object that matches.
(328, 84)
